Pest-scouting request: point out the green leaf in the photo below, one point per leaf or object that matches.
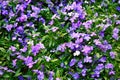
(54, 60)
(17, 73)
(2, 49)
(6, 76)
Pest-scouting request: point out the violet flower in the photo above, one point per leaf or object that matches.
(88, 59)
(1, 72)
(24, 49)
(9, 27)
(112, 72)
(20, 30)
(14, 62)
(87, 37)
(96, 74)
(83, 72)
(103, 59)
(36, 48)
(109, 66)
(40, 75)
(20, 78)
(80, 65)
(72, 62)
(29, 61)
(118, 8)
(87, 49)
(115, 36)
(88, 24)
(12, 48)
(99, 67)
(51, 73)
(57, 79)
(75, 76)
(35, 9)
(61, 47)
(23, 18)
(112, 54)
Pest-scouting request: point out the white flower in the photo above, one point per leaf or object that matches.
(30, 42)
(76, 53)
(47, 58)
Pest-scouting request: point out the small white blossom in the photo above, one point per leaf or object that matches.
(76, 53)
(47, 58)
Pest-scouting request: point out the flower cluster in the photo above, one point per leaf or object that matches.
(59, 39)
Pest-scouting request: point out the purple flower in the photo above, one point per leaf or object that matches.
(117, 21)
(14, 62)
(20, 57)
(54, 29)
(99, 67)
(51, 23)
(23, 18)
(11, 71)
(76, 25)
(51, 73)
(9, 27)
(24, 49)
(20, 7)
(29, 61)
(75, 35)
(29, 78)
(87, 37)
(42, 20)
(115, 33)
(112, 54)
(72, 62)
(88, 59)
(20, 30)
(80, 65)
(115, 30)
(70, 45)
(115, 36)
(105, 46)
(35, 9)
(97, 42)
(20, 78)
(12, 48)
(58, 79)
(118, 8)
(83, 72)
(40, 75)
(62, 64)
(93, 1)
(88, 24)
(75, 76)
(11, 14)
(61, 47)
(109, 66)
(103, 59)
(35, 15)
(87, 49)
(36, 48)
(27, 1)
(5, 12)
(113, 0)
(101, 34)
(79, 40)
(96, 74)
(1, 73)
(112, 72)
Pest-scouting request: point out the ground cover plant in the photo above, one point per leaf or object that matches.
(59, 39)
